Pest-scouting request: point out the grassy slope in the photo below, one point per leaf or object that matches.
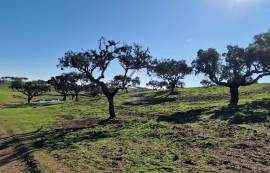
(191, 131)
(7, 97)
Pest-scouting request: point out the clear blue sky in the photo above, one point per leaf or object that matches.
(35, 33)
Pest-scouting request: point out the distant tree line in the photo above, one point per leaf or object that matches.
(11, 78)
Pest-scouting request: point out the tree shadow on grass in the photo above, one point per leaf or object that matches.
(182, 117)
(24, 144)
(255, 112)
(150, 100)
(155, 93)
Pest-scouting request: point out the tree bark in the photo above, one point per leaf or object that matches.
(111, 107)
(234, 96)
(77, 97)
(110, 96)
(172, 89)
(64, 97)
(29, 99)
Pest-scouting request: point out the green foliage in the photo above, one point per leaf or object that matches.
(30, 89)
(170, 71)
(69, 84)
(206, 83)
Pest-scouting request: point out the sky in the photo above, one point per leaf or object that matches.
(35, 34)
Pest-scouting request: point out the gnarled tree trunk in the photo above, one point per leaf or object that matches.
(29, 98)
(172, 88)
(234, 95)
(77, 97)
(110, 97)
(111, 107)
(64, 97)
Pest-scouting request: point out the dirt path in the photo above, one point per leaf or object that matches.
(8, 165)
(16, 159)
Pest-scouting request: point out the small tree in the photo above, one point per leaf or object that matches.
(237, 67)
(68, 84)
(76, 84)
(133, 83)
(61, 84)
(93, 89)
(180, 84)
(157, 84)
(117, 82)
(170, 71)
(30, 89)
(94, 63)
(206, 83)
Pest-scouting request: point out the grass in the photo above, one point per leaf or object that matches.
(192, 131)
(7, 97)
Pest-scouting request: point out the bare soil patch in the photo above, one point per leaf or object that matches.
(15, 166)
(81, 123)
(245, 156)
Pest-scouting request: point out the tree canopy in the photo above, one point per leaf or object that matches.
(30, 89)
(157, 84)
(61, 85)
(206, 83)
(68, 84)
(77, 84)
(170, 71)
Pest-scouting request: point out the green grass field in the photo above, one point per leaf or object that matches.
(192, 131)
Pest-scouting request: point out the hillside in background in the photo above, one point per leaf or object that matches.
(192, 131)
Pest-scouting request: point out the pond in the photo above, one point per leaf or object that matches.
(46, 101)
(136, 99)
